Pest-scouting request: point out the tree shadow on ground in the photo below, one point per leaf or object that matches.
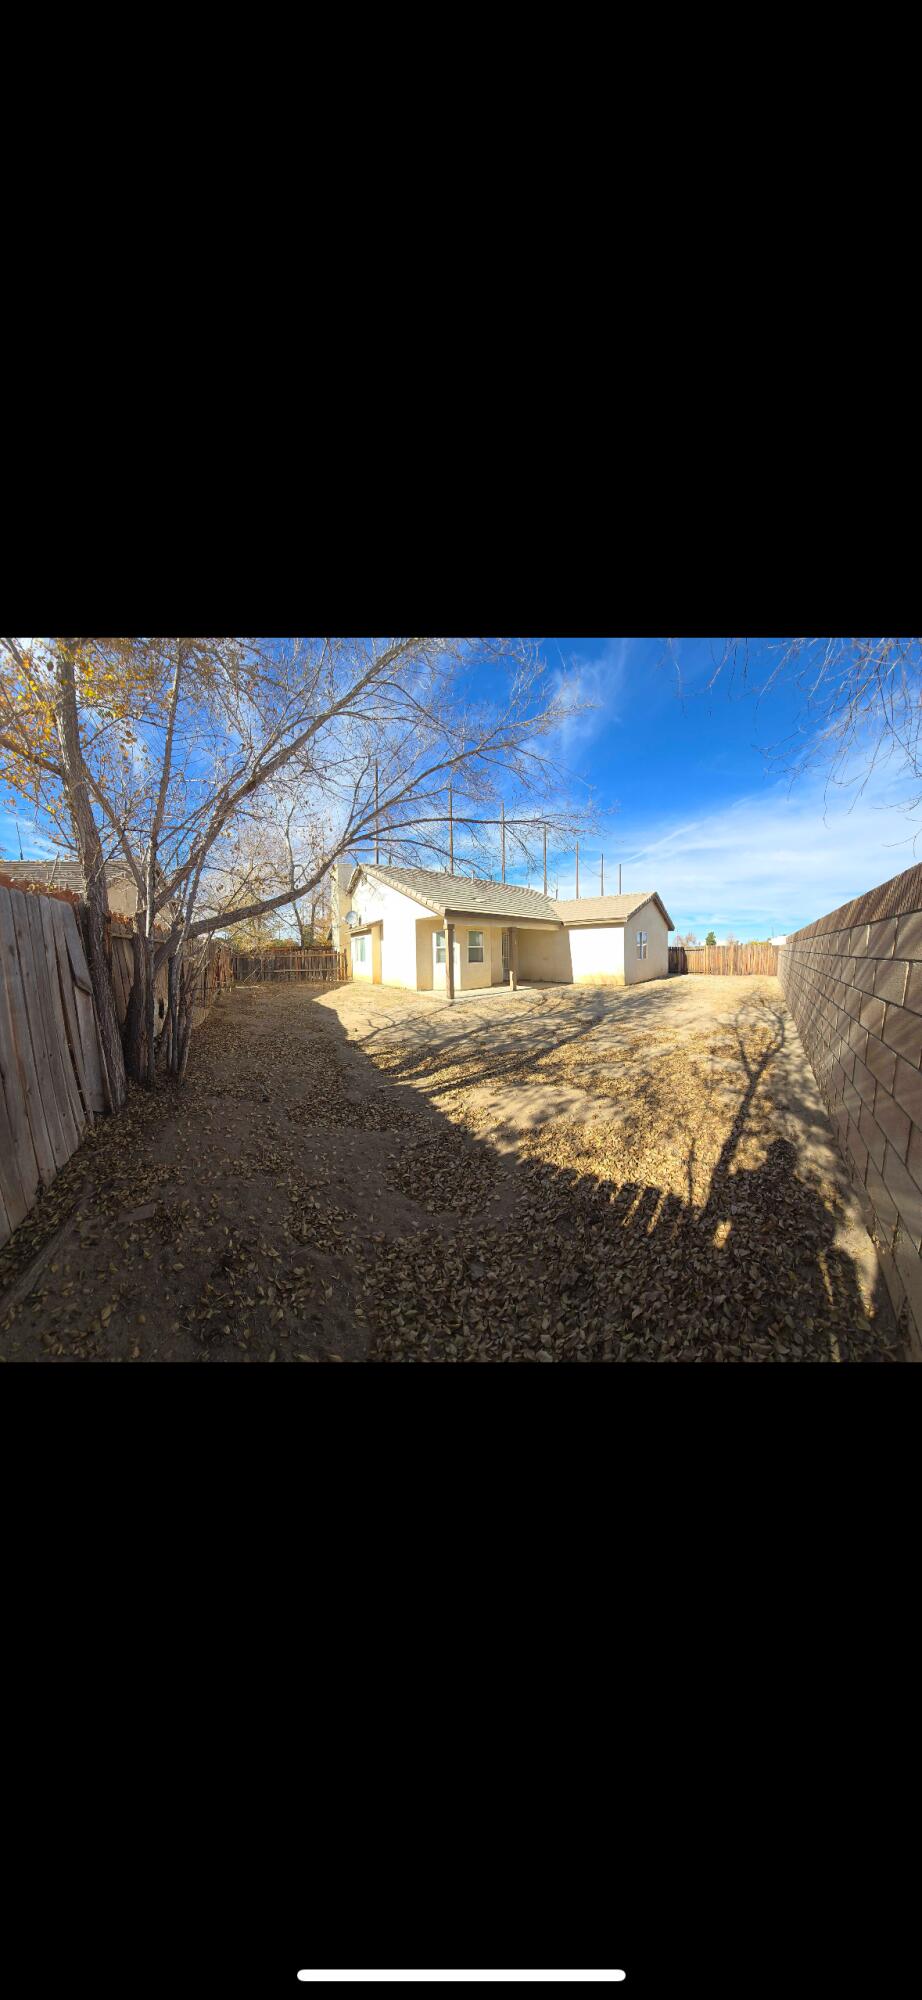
(428, 1049)
(297, 1200)
(565, 1264)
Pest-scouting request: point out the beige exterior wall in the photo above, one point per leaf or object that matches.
(371, 968)
(426, 928)
(597, 954)
(656, 963)
(545, 955)
(398, 916)
(469, 977)
(123, 897)
(474, 976)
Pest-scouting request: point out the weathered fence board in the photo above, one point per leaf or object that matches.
(52, 1069)
(724, 958)
(19, 1154)
(18, 1166)
(24, 1055)
(93, 1053)
(63, 1053)
(69, 1004)
(47, 1078)
(35, 1028)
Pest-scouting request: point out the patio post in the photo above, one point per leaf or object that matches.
(450, 960)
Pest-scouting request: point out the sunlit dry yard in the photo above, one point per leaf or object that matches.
(557, 1174)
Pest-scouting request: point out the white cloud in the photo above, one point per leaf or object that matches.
(35, 845)
(765, 863)
(600, 683)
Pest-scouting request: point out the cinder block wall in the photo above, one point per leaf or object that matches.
(853, 983)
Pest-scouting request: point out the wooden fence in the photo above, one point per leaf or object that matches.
(53, 1080)
(317, 968)
(724, 958)
(52, 1076)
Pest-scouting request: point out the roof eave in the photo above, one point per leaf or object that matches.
(508, 918)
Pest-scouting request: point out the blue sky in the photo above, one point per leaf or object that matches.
(693, 807)
(690, 804)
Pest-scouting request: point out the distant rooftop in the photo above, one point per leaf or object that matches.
(609, 909)
(61, 873)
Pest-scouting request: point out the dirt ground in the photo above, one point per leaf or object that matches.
(558, 1174)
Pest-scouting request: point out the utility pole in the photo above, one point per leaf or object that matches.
(619, 878)
(503, 838)
(377, 846)
(577, 870)
(451, 836)
(602, 876)
(545, 859)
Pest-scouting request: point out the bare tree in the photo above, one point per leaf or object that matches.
(175, 754)
(861, 702)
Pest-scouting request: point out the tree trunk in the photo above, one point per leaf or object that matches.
(89, 848)
(138, 1032)
(133, 1028)
(151, 1002)
(187, 985)
(172, 1010)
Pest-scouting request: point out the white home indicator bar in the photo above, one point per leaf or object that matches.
(557, 1978)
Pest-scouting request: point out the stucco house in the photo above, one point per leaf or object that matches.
(432, 932)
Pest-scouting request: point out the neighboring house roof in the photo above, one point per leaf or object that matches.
(59, 874)
(68, 874)
(609, 909)
(440, 892)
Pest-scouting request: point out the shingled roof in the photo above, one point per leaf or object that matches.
(440, 892)
(61, 874)
(609, 909)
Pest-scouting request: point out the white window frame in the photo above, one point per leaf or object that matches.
(440, 947)
(359, 945)
(641, 944)
(475, 951)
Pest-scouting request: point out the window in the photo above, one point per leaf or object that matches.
(440, 947)
(360, 951)
(475, 947)
(641, 944)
